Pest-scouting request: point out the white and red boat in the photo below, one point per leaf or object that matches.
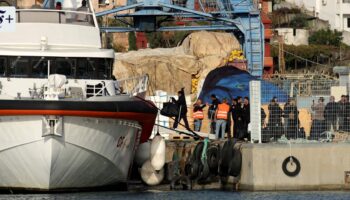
(64, 124)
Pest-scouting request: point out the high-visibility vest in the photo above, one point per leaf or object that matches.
(198, 114)
(222, 111)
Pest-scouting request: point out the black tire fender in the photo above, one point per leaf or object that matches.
(197, 152)
(8, 3)
(235, 163)
(181, 183)
(194, 170)
(292, 160)
(213, 158)
(204, 173)
(225, 157)
(174, 182)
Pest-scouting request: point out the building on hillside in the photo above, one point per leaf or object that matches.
(141, 40)
(294, 36)
(336, 12)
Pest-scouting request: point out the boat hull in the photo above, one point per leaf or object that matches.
(82, 152)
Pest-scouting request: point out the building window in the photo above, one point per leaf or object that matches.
(348, 19)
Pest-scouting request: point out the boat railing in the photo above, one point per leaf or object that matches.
(54, 16)
(134, 85)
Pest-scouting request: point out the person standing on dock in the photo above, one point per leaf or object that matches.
(221, 118)
(318, 121)
(341, 116)
(198, 115)
(347, 114)
(330, 113)
(291, 119)
(246, 117)
(237, 116)
(275, 119)
(182, 106)
(211, 112)
(234, 115)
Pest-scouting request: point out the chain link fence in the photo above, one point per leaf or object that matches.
(305, 110)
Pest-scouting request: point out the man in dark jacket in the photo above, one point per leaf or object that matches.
(246, 116)
(211, 112)
(237, 116)
(291, 119)
(182, 106)
(331, 113)
(235, 113)
(275, 122)
(341, 115)
(347, 114)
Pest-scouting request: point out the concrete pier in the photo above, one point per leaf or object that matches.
(324, 166)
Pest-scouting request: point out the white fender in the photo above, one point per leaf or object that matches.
(151, 176)
(158, 152)
(142, 153)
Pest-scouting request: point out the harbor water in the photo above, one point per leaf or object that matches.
(180, 195)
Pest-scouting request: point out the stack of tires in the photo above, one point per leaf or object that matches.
(230, 160)
(223, 161)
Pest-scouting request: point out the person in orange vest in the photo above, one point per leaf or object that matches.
(221, 118)
(198, 115)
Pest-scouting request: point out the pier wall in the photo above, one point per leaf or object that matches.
(323, 167)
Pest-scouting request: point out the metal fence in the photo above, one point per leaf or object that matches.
(303, 110)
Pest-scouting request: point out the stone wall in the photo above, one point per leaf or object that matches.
(324, 166)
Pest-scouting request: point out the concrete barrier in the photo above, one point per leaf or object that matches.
(324, 166)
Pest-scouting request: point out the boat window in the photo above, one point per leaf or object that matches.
(39, 67)
(85, 69)
(2, 66)
(19, 67)
(103, 69)
(94, 68)
(64, 66)
(36, 67)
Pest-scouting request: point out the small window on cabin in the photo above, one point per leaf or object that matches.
(39, 67)
(64, 66)
(19, 67)
(2, 66)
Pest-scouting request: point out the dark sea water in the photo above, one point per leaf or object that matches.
(180, 195)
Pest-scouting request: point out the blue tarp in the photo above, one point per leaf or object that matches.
(230, 82)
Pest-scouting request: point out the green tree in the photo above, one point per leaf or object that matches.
(299, 21)
(166, 39)
(132, 41)
(326, 37)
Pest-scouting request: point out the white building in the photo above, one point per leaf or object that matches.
(294, 36)
(336, 12)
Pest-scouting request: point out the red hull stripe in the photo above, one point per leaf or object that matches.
(146, 120)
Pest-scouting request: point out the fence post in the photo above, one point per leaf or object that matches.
(255, 111)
